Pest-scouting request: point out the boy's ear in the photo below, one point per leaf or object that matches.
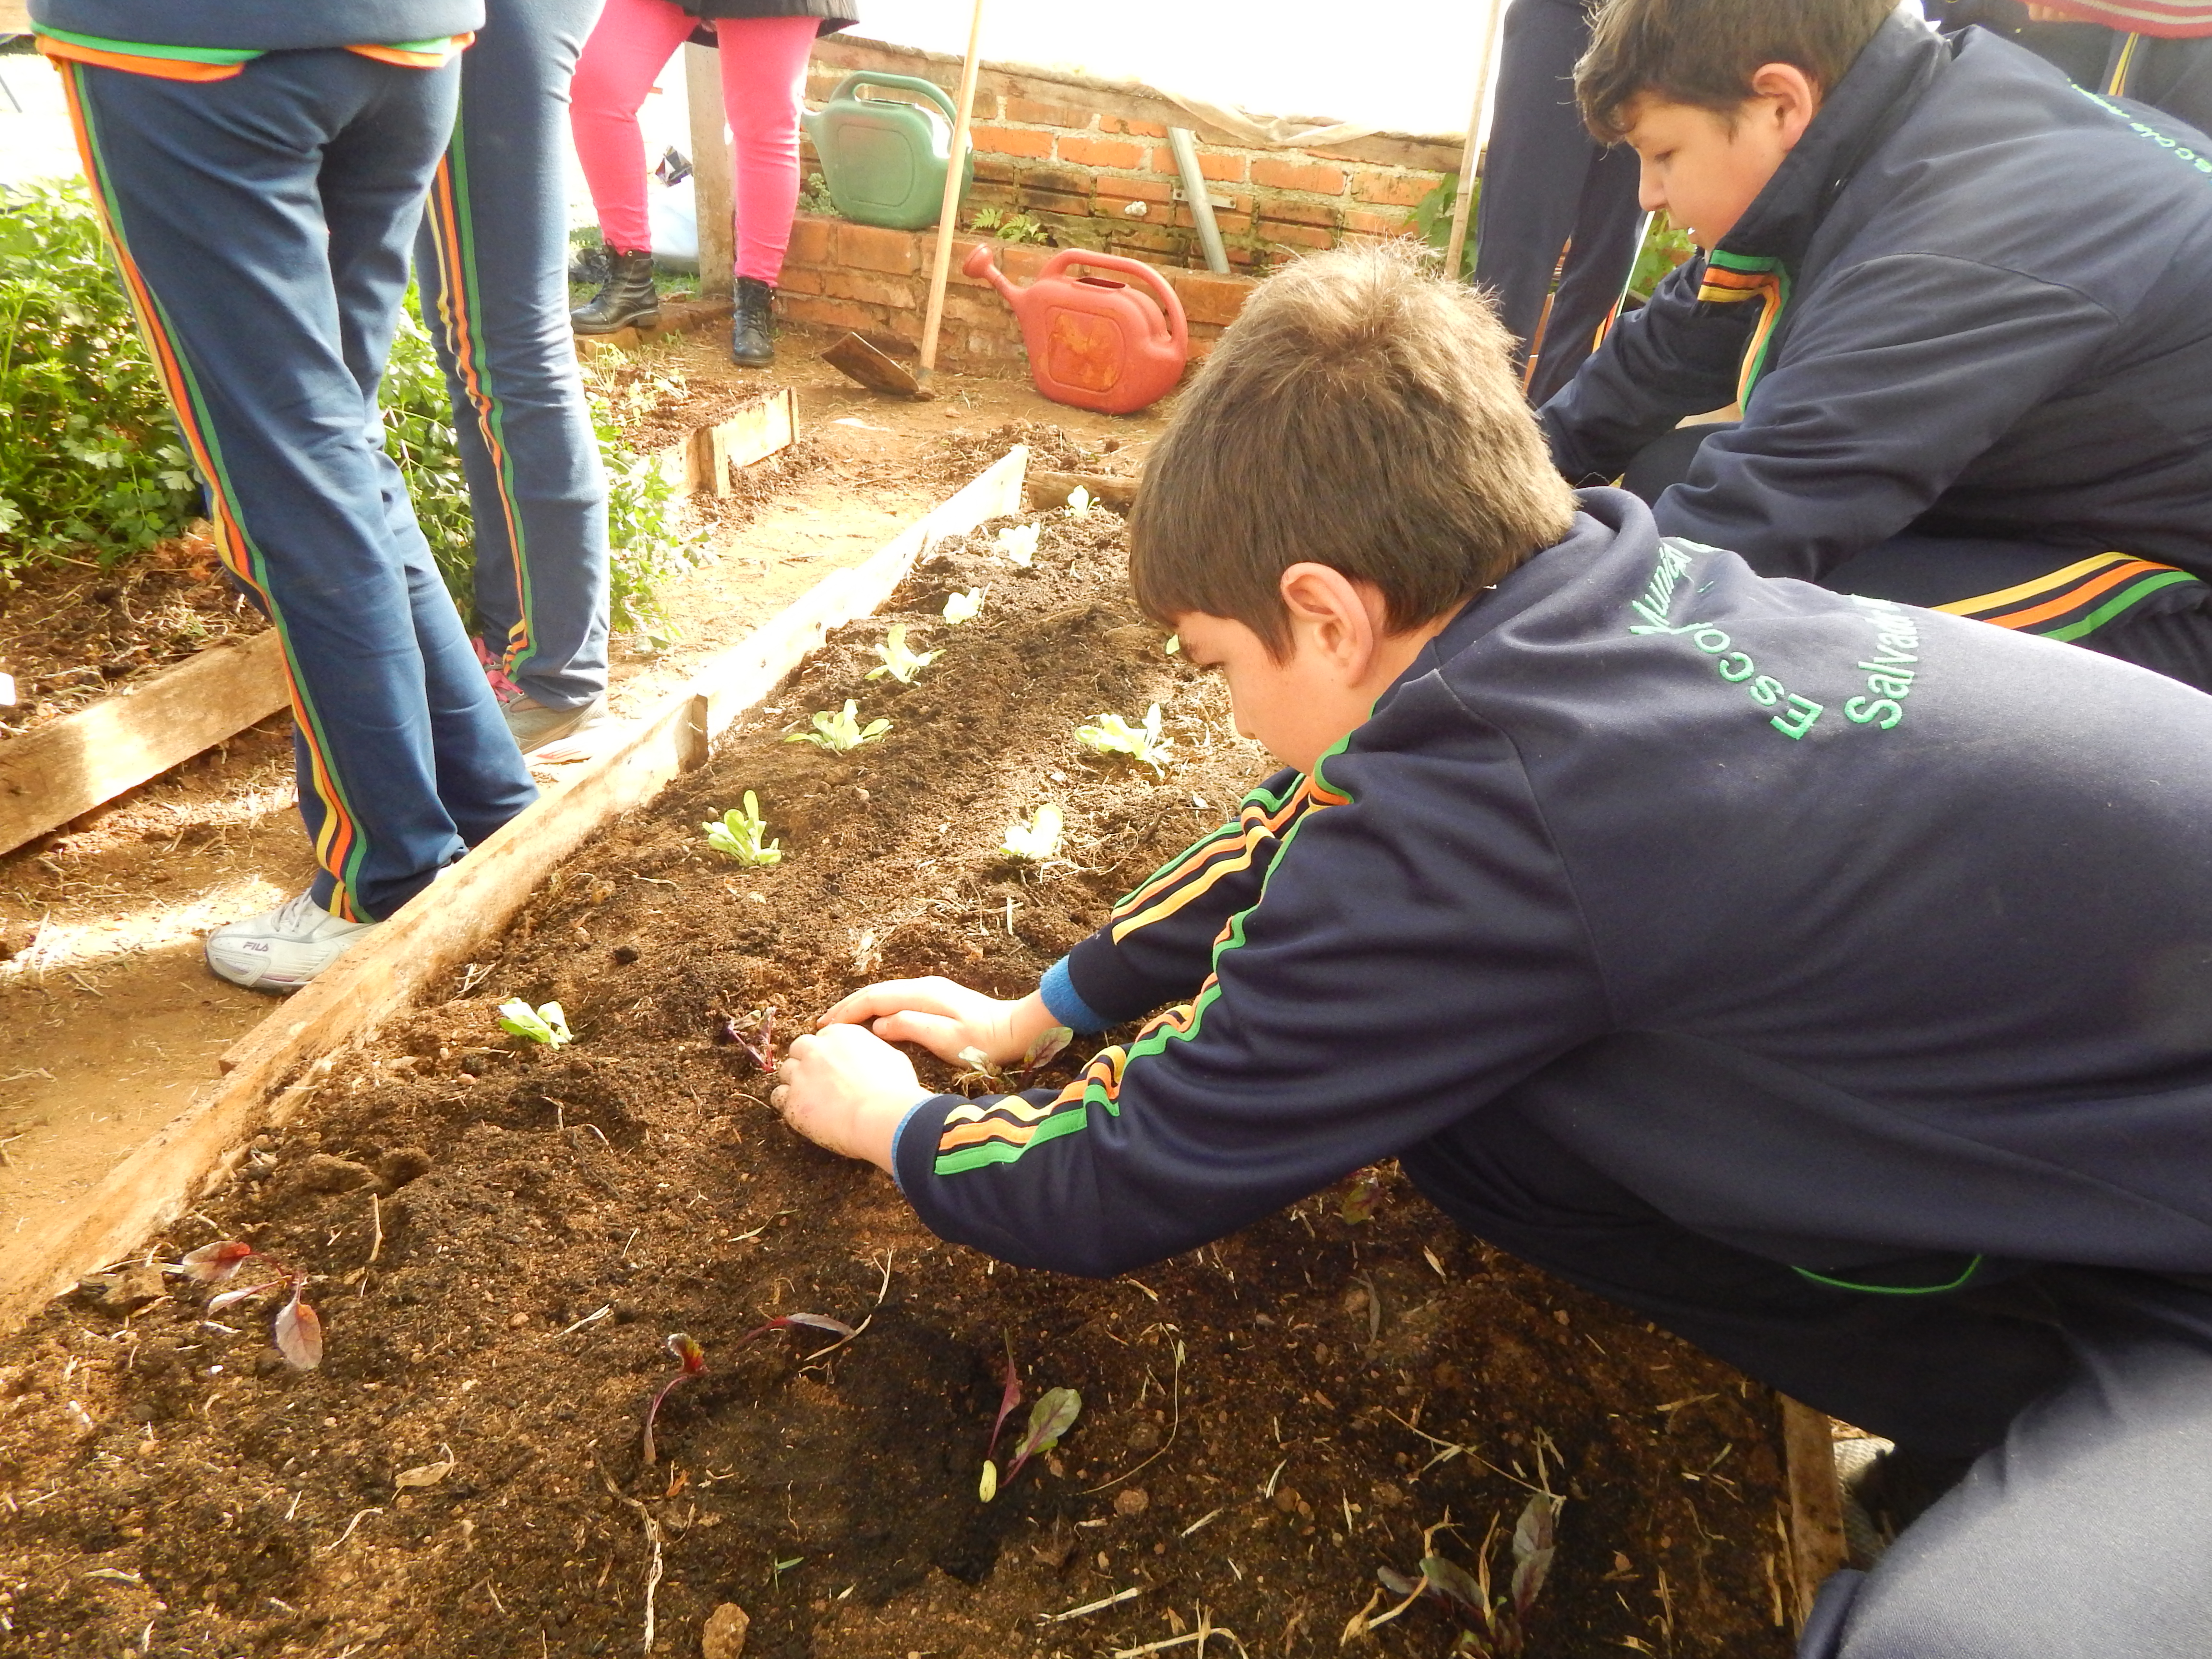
(1790, 98)
(1332, 615)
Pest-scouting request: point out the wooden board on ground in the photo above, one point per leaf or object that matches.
(1050, 489)
(73, 764)
(1816, 1503)
(439, 931)
(701, 463)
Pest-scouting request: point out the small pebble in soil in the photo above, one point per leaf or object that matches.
(723, 1634)
(1132, 1500)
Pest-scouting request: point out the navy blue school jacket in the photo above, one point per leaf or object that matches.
(1932, 898)
(1975, 301)
(262, 25)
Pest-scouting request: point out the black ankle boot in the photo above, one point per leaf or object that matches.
(751, 344)
(626, 298)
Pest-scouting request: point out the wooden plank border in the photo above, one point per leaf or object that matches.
(700, 464)
(276, 1065)
(1816, 1504)
(67, 767)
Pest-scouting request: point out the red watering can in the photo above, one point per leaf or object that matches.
(1093, 342)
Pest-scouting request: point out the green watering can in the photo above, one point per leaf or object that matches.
(883, 161)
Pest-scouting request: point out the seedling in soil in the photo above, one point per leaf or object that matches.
(1490, 1627)
(1363, 1196)
(900, 663)
(297, 1331)
(738, 835)
(963, 607)
(545, 1025)
(760, 1046)
(1035, 1058)
(1115, 736)
(1016, 544)
(1037, 841)
(1174, 646)
(841, 732)
(691, 1359)
(1009, 1397)
(1053, 1416)
(1079, 503)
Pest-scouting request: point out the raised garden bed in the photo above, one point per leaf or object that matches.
(1290, 1410)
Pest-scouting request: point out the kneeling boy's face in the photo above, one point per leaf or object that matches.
(1704, 169)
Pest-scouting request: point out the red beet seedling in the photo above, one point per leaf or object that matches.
(297, 1330)
(691, 1359)
(1009, 1397)
(759, 1046)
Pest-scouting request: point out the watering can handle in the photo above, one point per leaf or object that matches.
(935, 93)
(1178, 327)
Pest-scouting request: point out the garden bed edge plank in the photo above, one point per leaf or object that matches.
(436, 931)
(64, 768)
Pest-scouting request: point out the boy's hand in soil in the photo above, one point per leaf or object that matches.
(946, 1018)
(846, 1091)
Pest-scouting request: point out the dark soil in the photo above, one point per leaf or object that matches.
(71, 632)
(503, 1239)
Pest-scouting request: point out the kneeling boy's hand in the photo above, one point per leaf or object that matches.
(945, 1018)
(846, 1091)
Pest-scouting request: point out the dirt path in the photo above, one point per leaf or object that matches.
(108, 1019)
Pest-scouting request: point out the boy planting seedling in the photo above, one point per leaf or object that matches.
(1827, 980)
(1959, 301)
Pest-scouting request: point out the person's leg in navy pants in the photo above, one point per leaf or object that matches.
(1545, 182)
(263, 223)
(493, 262)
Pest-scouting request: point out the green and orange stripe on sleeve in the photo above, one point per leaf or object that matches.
(2069, 602)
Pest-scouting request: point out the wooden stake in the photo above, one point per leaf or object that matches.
(711, 197)
(948, 212)
(1471, 157)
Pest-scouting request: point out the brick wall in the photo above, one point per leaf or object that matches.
(875, 282)
(1090, 160)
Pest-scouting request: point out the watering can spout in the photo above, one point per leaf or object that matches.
(980, 264)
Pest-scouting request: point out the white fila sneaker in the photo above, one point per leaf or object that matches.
(280, 950)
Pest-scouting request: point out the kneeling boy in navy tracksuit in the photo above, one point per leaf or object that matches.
(1965, 306)
(1826, 979)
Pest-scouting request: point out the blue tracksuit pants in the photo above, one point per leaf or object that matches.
(2084, 1396)
(262, 225)
(1546, 182)
(493, 262)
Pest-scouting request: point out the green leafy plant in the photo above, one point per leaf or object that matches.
(1016, 544)
(1010, 226)
(90, 457)
(1113, 735)
(1664, 248)
(1079, 503)
(738, 835)
(1037, 841)
(900, 663)
(963, 607)
(841, 732)
(816, 197)
(1050, 1418)
(1432, 217)
(545, 1025)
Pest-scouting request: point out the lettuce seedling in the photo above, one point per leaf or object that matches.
(1016, 544)
(1115, 736)
(900, 663)
(1079, 503)
(546, 1023)
(738, 835)
(1035, 1058)
(963, 607)
(1037, 841)
(841, 732)
(297, 1331)
(1053, 1416)
(691, 1359)
(760, 1048)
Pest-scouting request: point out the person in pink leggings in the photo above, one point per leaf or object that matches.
(764, 46)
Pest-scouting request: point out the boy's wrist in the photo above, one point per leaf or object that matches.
(1030, 1019)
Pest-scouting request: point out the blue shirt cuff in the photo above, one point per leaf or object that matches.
(1060, 1000)
(901, 1131)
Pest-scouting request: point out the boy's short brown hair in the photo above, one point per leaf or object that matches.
(1705, 52)
(1362, 415)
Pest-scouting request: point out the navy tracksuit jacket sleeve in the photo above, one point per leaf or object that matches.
(1891, 387)
(1416, 895)
(1157, 946)
(1667, 359)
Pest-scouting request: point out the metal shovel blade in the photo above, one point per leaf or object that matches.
(855, 359)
